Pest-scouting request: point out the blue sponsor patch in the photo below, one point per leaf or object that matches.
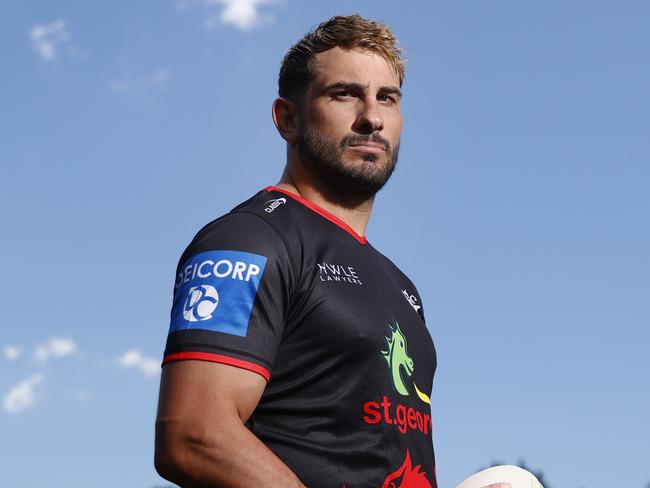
(215, 290)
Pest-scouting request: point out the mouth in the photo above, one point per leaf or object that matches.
(368, 147)
(409, 369)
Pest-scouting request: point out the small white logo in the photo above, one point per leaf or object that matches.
(271, 205)
(201, 301)
(412, 299)
(338, 273)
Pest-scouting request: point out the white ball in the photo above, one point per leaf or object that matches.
(516, 476)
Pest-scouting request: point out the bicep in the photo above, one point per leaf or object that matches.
(201, 439)
(201, 394)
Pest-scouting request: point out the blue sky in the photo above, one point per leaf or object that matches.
(520, 208)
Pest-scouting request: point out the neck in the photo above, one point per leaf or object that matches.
(354, 212)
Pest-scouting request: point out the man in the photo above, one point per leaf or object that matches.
(298, 354)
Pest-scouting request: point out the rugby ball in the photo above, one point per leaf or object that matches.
(516, 476)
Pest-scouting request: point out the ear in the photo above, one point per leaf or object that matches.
(285, 117)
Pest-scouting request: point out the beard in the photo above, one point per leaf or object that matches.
(349, 181)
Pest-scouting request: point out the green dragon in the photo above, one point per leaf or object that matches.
(397, 357)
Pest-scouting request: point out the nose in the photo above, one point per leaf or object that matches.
(369, 118)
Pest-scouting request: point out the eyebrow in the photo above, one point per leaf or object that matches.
(346, 85)
(391, 89)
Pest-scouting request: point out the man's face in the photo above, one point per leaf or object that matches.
(351, 122)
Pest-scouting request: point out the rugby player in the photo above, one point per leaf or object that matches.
(298, 354)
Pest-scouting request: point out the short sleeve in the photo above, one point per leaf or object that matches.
(231, 295)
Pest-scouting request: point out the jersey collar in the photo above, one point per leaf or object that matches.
(321, 211)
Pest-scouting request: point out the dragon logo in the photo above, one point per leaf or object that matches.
(407, 476)
(398, 359)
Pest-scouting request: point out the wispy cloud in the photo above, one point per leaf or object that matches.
(47, 38)
(158, 80)
(22, 395)
(148, 366)
(55, 347)
(12, 353)
(244, 15)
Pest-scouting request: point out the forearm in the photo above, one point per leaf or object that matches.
(232, 458)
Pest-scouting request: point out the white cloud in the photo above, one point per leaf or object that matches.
(12, 353)
(159, 80)
(46, 38)
(244, 15)
(55, 347)
(135, 359)
(22, 395)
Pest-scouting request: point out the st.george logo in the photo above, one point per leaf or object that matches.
(200, 303)
(403, 417)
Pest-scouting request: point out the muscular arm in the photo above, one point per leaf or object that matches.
(201, 439)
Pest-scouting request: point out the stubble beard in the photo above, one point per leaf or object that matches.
(323, 158)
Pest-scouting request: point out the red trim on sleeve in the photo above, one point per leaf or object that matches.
(321, 211)
(219, 358)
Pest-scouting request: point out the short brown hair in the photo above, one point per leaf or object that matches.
(347, 32)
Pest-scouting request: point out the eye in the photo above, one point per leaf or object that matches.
(343, 94)
(385, 98)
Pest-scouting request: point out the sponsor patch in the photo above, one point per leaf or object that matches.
(215, 290)
(338, 273)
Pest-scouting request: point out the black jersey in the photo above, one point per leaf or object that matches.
(281, 287)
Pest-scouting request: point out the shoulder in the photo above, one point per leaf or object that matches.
(244, 229)
(271, 221)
